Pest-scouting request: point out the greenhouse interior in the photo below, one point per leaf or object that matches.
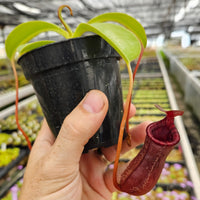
(164, 49)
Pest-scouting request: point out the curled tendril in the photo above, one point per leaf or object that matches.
(62, 20)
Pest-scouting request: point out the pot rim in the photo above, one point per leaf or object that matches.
(61, 42)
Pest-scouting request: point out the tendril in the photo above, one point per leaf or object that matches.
(62, 20)
(16, 104)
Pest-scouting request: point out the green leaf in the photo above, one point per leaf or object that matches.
(120, 38)
(24, 48)
(26, 31)
(125, 20)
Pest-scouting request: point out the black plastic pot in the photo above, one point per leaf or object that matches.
(63, 72)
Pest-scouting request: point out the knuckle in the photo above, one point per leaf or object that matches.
(75, 132)
(70, 129)
(45, 167)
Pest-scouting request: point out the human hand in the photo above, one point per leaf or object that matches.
(57, 169)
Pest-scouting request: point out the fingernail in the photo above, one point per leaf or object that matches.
(93, 102)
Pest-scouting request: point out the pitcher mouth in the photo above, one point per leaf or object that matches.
(163, 134)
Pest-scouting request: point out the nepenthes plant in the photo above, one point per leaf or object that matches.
(127, 36)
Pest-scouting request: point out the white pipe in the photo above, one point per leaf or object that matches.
(9, 97)
(11, 110)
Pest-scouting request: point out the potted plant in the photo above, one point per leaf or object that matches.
(93, 52)
(78, 54)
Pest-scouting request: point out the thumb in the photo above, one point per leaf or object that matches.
(79, 126)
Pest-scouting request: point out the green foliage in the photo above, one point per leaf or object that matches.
(126, 36)
(6, 156)
(26, 31)
(4, 138)
(125, 20)
(22, 49)
(122, 40)
(165, 59)
(192, 63)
